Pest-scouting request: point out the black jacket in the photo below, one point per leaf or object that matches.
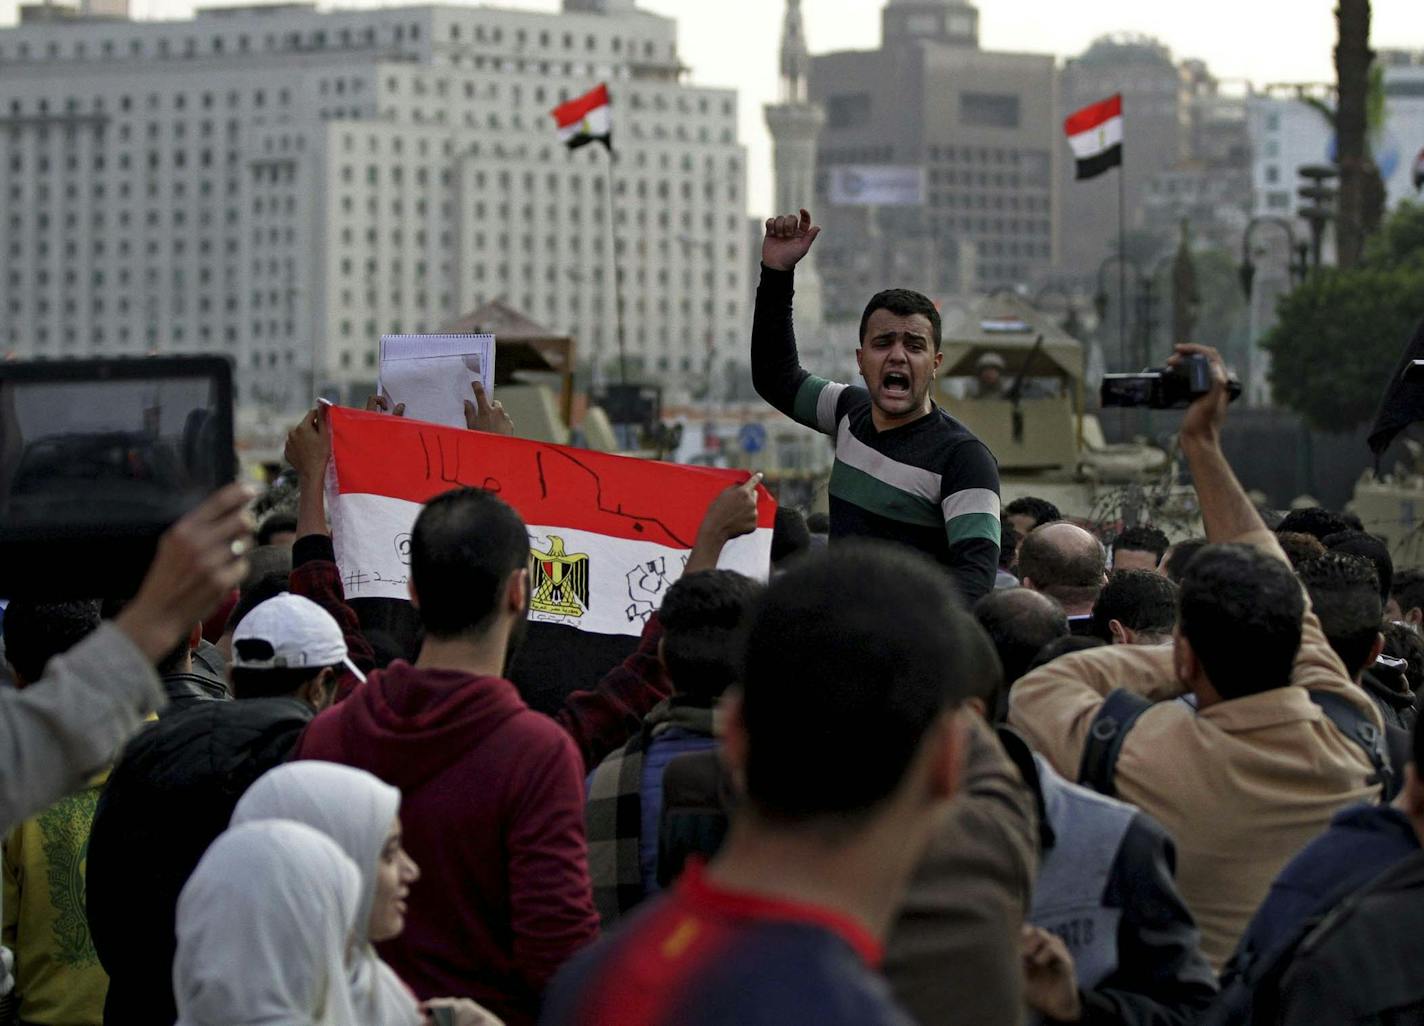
(186, 689)
(171, 794)
(1360, 966)
(1387, 684)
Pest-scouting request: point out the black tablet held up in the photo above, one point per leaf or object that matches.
(97, 459)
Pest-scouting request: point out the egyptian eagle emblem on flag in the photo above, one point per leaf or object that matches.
(608, 534)
(1095, 135)
(585, 119)
(559, 580)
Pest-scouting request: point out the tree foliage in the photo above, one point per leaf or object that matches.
(1339, 335)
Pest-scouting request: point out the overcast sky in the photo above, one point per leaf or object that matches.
(734, 42)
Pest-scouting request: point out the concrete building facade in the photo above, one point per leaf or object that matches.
(285, 185)
(1155, 128)
(980, 126)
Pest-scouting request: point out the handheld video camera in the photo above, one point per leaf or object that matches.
(1164, 388)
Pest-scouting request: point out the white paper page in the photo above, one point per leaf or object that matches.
(433, 374)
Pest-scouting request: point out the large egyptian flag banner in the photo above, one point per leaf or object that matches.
(1095, 135)
(607, 534)
(586, 119)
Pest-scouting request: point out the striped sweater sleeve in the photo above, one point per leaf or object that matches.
(969, 500)
(776, 368)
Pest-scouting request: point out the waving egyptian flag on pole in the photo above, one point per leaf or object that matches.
(586, 119)
(1095, 135)
(607, 534)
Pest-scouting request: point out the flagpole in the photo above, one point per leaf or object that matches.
(617, 274)
(1122, 265)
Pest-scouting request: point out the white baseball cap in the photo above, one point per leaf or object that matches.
(290, 632)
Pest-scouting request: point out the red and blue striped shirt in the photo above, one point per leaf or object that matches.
(700, 955)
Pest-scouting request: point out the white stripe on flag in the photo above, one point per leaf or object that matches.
(626, 579)
(598, 122)
(1098, 139)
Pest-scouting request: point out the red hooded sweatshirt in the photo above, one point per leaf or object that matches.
(492, 811)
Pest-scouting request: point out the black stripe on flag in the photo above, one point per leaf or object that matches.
(583, 140)
(554, 661)
(1091, 167)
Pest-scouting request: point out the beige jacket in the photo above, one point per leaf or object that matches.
(1241, 786)
(952, 956)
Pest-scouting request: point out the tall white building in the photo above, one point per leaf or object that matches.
(285, 185)
(1287, 132)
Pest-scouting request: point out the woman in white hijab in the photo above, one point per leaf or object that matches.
(361, 814)
(263, 926)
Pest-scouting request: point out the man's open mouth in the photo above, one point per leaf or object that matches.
(895, 383)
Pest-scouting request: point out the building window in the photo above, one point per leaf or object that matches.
(848, 110)
(989, 110)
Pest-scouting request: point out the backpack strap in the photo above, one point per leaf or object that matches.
(1105, 737)
(1351, 721)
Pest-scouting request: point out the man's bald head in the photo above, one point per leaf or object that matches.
(1065, 562)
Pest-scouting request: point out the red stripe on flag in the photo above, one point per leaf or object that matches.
(1092, 116)
(641, 500)
(571, 113)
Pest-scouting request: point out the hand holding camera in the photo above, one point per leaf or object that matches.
(1187, 377)
(1213, 390)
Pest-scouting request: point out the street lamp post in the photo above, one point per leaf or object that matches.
(1295, 260)
(1321, 210)
(1147, 307)
(1297, 267)
(1100, 300)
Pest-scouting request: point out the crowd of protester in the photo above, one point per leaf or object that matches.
(1100, 775)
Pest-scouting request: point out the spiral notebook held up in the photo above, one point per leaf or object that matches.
(433, 375)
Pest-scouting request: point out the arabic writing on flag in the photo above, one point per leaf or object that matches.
(607, 534)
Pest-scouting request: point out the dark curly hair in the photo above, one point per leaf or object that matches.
(1141, 600)
(851, 657)
(1042, 511)
(903, 303)
(702, 616)
(1143, 538)
(1371, 547)
(1241, 611)
(1345, 592)
(1318, 521)
(36, 632)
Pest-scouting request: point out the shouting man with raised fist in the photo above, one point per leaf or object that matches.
(905, 470)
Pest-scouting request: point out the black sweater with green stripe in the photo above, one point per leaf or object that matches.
(930, 484)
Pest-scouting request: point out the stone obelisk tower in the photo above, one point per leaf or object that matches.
(795, 124)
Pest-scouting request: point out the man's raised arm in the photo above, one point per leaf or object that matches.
(776, 368)
(1055, 706)
(1229, 516)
